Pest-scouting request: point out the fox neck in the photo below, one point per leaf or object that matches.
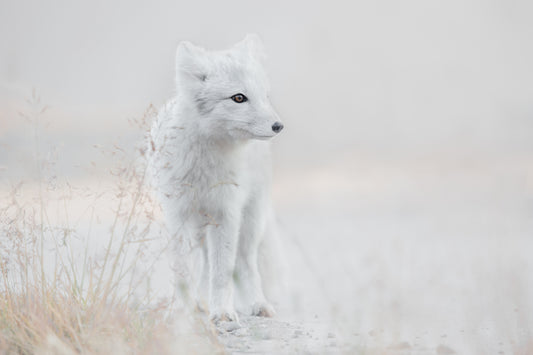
(215, 159)
(222, 146)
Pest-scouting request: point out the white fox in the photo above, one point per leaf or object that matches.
(210, 163)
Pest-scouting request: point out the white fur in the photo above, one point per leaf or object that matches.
(211, 164)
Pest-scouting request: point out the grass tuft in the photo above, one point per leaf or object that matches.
(55, 299)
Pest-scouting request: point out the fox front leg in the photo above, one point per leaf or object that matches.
(247, 278)
(222, 241)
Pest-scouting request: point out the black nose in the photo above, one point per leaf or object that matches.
(277, 127)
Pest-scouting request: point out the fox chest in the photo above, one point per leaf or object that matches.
(211, 188)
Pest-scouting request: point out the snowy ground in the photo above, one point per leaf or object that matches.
(419, 256)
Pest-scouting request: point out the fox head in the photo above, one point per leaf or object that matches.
(228, 90)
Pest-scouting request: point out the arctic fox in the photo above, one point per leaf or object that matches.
(210, 163)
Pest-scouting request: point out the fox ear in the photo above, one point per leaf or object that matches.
(190, 63)
(252, 45)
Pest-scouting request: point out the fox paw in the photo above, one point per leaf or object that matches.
(225, 320)
(263, 309)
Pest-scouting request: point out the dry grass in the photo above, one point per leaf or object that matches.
(54, 300)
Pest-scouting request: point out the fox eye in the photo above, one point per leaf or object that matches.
(239, 98)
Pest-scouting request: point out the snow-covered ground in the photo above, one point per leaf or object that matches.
(415, 256)
(397, 256)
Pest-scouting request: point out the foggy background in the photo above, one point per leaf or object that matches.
(385, 77)
(404, 173)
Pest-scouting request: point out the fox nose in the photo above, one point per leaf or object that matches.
(277, 127)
